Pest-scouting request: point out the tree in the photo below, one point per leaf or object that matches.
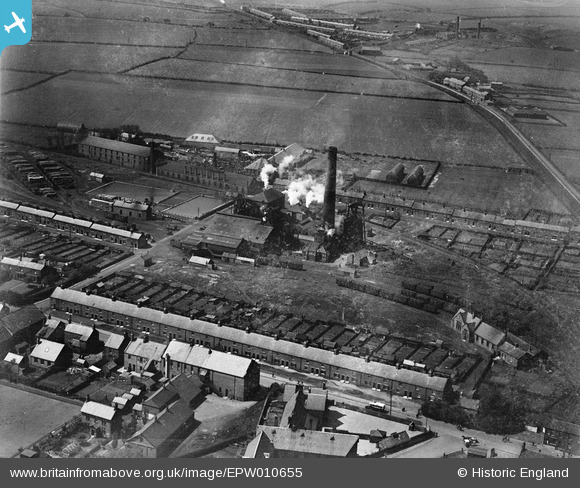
(499, 414)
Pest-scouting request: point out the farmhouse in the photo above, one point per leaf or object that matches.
(297, 356)
(278, 442)
(116, 152)
(226, 374)
(104, 419)
(47, 354)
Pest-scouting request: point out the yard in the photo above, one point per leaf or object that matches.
(26, 417)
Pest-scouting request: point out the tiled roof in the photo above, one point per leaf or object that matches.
(22, 264)
(149, 350)
(490, 334)
(84, 331)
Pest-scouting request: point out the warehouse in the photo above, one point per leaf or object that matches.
(116, 152)
(239, 342)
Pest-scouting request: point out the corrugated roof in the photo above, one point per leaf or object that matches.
(232, 150)
(98, 410)
(132, 206)
(122, 147)
(47, 350)
(205, 138)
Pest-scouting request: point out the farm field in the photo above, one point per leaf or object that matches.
(60, 57)
(556, 137)
(529, 57)
(568, 162)
(291, 60)
(15, 80)
(26, 417)
(281, 78)
(253, 114)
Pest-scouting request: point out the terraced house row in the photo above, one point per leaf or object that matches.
(164, 326)
(65, 223)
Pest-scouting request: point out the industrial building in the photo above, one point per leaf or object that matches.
(301, 357)
(201, 140)
(116, 152)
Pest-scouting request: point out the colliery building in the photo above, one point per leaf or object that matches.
(301, 357)
(210, 177)
(229, 233)
(116, 152)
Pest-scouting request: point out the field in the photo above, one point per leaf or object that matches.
(135, 192)
(27, 417)
(17, 80)
(182, 69)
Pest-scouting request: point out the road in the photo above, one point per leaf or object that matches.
(449, 437)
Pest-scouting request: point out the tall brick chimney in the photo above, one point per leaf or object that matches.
(330, 190)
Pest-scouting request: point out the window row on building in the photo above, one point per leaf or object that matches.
(324, 363)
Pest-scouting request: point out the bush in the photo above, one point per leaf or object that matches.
(446, 412)
(498, 414)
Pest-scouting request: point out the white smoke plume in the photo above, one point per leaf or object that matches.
(267, 170)
(305, 189)
(286, 161)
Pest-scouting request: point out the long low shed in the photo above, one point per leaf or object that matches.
(297, 356)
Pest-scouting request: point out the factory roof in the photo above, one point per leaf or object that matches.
(252, 339)
(267, 196)
(239, 227)
(95, 409)
(231, 150)
(47, 350)
(289, 155)
(118, 146)
(257, 165)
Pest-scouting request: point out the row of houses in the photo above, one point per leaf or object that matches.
(300, 357)
(510, 348)
(65, 223)
(399, 207)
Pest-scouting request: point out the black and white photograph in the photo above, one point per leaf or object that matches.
(256, 229)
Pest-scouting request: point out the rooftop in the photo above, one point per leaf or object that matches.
(123, 147)
(98, 410)
(47, 350)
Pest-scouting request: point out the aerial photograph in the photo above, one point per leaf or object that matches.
(290, 229)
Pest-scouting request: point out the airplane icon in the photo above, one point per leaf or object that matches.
(17, 23)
